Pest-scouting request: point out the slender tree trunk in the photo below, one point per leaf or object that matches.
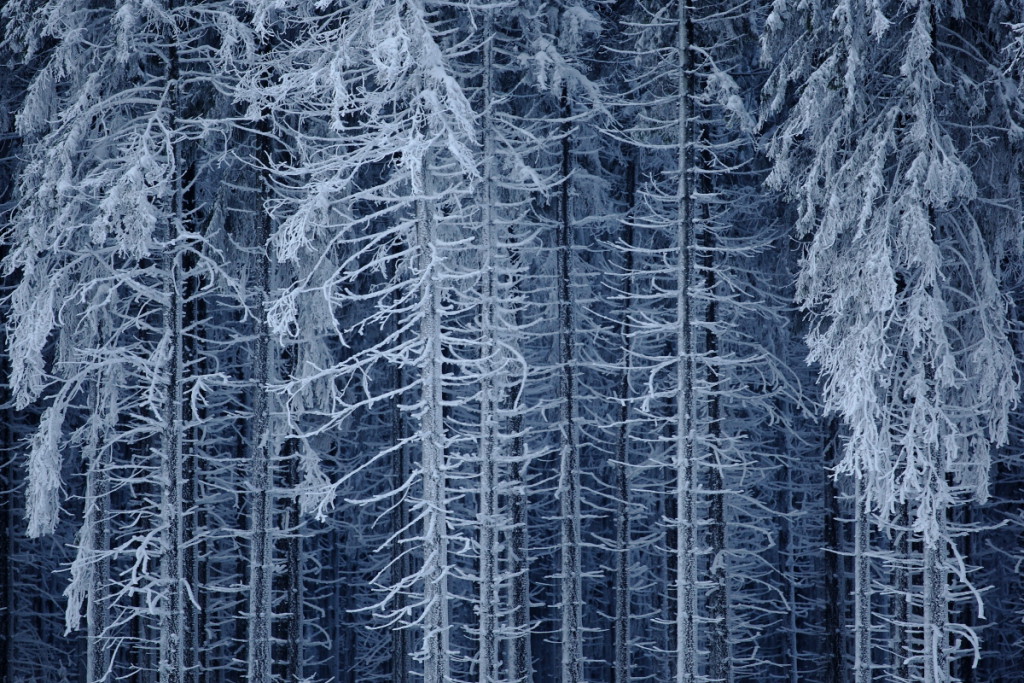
(833, 578)
(622, 593)
(966, 671)
(787, 556)
(9, 146)
(96, 524)
(488, 538)
(862, 590)
(935, 623)
(177, 659)
(686, 588)
(97, 647)
(520, 659)
(292, 666)
(488, 519)
(262, 451)
(189, 464)
(436, 597)
(717, 599)
(193, 467)
(569, 466)
(172, 665)
(519, 654)
(622, 648)
(666, 572)
(8, 544)
(139, 660)
(349, 642)
(400, 558)
(261, 479)
(239, 633)
(901, 645)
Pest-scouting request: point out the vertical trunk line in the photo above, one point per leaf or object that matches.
(488, 511)
(260, 659)
(862, 589)
(569, 467)
(401, 561)
(171, 665)
(437, 657)
(717, 599)
(622, 664)
(833, 567)
(293, 666)
(97, 525)
(902, 647)
(687, 640)
(8, 625)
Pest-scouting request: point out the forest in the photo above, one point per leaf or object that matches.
(511, 341)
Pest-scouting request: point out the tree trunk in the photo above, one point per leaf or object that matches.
(292, 666)
(935, 622)
(400, 558)
(717, 599)
(172, 665)
(8, 544)
(436, 597)
(260, 466)
(901, 613)
(520, 659)
(622, 521)
(833, 578)
(686, 513)
(263, 450)
(569, 465)
(96, 525)
(488, 514)
(177, 655)
(862, 590)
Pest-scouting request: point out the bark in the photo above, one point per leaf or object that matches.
(902, 547)
(862, 589)
(263, 456)
(400, 558)
(519, 656)
(178, 646)
(569, 465)
(833, 578)
(966, 671)
(935, 621)
(686, 513)
(489, 421)
(717, 600)
(622, 522)
(96, 525)
(293, 658)
(260, 655)
(436, 597)
(787, 555)
(8, 524)
(172, 665)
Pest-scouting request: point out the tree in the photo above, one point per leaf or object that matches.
(405, 223)
(910, 324)
(112, 259)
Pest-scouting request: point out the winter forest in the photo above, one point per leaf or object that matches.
(511, 341)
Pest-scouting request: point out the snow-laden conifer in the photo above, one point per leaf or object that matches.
(910, 322)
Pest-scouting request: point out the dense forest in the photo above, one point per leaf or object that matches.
(511, 341)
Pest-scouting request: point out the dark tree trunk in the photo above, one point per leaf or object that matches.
(569, 465)
(833, 576)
